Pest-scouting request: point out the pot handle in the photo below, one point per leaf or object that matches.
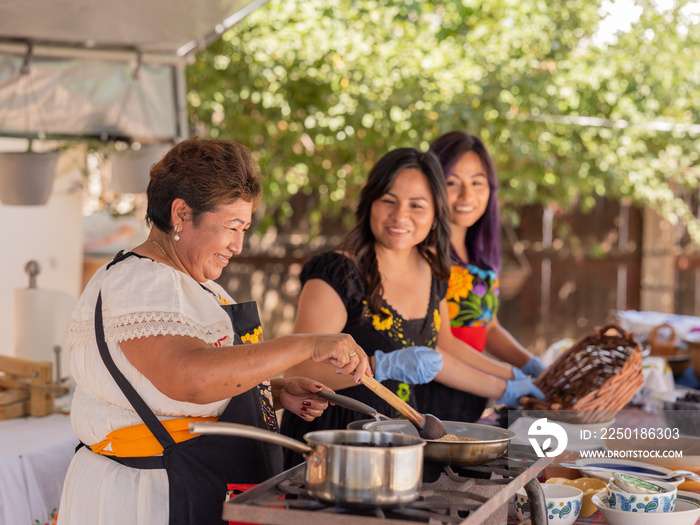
(352, 404)
(234, 429)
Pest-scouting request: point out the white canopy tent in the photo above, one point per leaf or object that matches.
(103, 69)
(79, 69)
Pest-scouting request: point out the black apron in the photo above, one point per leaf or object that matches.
(200, 468)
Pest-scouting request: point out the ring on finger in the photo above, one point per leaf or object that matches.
(352, 354)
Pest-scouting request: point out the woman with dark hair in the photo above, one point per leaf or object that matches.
(156, 344)
(386, 287)
(472, 295)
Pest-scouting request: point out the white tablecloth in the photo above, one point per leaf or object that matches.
(34, 457)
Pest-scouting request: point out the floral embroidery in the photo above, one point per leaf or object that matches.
(461, 283)
(224, 341)
(472, 296)
(404, 392)
(52, 517)
(254, 337)
(268, 406)
(380, 323)
(392, 327)
(452, 309)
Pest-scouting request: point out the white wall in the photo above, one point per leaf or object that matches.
(52, 235)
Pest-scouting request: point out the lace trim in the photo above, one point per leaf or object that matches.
(144, 324)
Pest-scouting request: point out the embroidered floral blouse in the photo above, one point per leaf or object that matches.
(371, 331)
(472, 302)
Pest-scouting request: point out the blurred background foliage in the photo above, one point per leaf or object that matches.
(320, 89)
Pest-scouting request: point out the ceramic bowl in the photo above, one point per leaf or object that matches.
(589, 487)
(627, 466)
(563, 503)
(642, 503)
(687, 512)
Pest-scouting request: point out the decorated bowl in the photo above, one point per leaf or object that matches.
(632, 499)
(686, 512)
(589, 487)
(563, 503)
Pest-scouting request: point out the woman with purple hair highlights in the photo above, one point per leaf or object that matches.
(472, 295)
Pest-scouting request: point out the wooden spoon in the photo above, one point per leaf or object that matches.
(428, 426)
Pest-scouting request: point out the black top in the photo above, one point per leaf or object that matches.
(372, 333)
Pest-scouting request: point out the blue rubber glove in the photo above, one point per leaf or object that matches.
(515, 389)
(414, 365)
(534, 367)
(519, 374)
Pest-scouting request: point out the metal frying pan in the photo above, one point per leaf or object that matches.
(492, 441)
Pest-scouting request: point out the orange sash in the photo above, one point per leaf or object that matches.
(138, 441)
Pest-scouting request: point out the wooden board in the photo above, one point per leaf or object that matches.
(32, 373)
(17, 409)
(12, 395)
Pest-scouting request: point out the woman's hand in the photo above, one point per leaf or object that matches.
(297, 395)
(341, 351)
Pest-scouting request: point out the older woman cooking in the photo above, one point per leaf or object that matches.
(151, 351)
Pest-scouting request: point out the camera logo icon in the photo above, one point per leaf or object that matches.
(541, 428)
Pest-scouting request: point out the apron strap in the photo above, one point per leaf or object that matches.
(124, 255)
(142, 409)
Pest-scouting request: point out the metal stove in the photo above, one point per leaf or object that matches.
(466, 496)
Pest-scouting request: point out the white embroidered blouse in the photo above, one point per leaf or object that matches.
(140, 298)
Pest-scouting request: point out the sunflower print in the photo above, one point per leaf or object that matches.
(391, 325)
(472, 296)
(388, 324)
(382, 322)
(254, 337)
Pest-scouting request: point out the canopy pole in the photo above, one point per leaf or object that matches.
(180, 87)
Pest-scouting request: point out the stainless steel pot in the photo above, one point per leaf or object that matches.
(491, 444)
(353, 467)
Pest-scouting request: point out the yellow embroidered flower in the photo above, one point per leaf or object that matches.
(452, 309)
(404, 392)
(437, 319)
(382, 324)
(461, 283)
(254, 337)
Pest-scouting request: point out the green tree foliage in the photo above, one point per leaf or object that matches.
(320, 89)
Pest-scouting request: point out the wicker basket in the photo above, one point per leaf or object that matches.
(662, 345)
(593, 379)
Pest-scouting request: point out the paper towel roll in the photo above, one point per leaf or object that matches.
(41, 317)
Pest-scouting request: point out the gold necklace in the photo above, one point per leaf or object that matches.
(161, 249)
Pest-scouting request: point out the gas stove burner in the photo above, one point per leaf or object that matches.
(293, 486)
(477, 495)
